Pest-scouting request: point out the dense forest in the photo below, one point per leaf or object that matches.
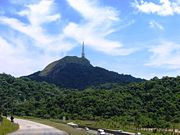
(153, 103)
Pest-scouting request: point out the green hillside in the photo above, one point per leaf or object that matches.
(78, 73)
(153, 103)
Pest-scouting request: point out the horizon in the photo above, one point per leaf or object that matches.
(138, 38)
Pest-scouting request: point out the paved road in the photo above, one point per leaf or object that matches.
(32, 128)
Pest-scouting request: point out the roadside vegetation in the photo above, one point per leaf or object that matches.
(110, 124)
(7, 127)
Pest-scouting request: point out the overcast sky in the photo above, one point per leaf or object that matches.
(137, 37)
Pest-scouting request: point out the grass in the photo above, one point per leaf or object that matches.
(7, 127)
(57, 124)
(177, 126)
(115, 126)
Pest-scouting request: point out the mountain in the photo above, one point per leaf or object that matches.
(78, 73)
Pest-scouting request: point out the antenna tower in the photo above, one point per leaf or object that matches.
(83, 54)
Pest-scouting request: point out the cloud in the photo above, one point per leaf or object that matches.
(165, 55)
(91, 11)
(36, 33)
(40, 13)
(11, 60)
(97, 24)
(164, 8)
(155, 25)
(37, 14)
(36, 18)
(18, 59)
(95, 40)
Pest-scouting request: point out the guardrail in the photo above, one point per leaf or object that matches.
(108, 131)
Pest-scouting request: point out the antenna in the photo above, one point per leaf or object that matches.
(83, 54)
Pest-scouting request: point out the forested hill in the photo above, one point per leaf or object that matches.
(78, 73)
(153, 103)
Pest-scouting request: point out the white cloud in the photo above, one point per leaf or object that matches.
(11, 60)
(98, 23)
(95, 40)
(16, 58)
(154, 24)
(164, 8)
(91, 11)
(37, 14)
(34, 32)
(165, 55)
(40, 13)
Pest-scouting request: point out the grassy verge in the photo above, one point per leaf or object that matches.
(59, 125)
(117, 126)
(7, 127)
(177, 126)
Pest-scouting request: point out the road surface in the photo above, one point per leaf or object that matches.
(27, 127)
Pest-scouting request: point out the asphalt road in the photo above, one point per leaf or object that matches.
(32, 128)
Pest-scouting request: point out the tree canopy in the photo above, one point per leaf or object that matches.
(153, 103)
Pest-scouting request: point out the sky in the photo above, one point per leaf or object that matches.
(137, 37)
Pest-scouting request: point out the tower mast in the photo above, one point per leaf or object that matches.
(83, 54)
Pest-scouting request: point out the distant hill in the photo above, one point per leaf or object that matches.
(78, 73)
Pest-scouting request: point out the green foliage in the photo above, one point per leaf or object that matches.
(153, 103)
